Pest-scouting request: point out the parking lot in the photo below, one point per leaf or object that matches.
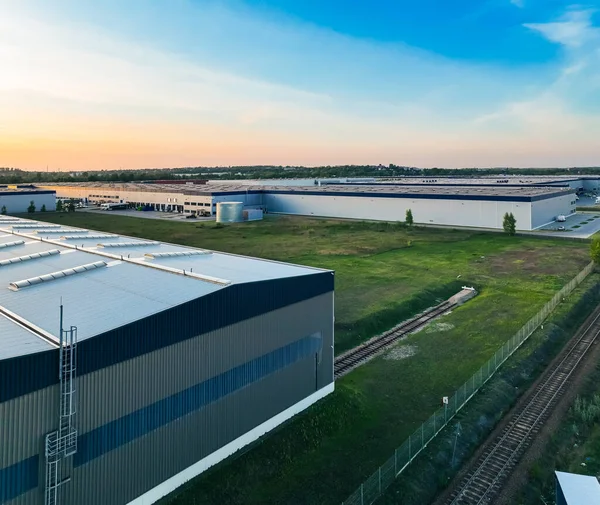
(580, 225)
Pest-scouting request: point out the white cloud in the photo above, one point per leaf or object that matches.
(518, 3)
(573, 30)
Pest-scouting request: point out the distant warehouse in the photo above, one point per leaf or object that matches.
(17, 198)
(172, 358)
(473, 205)
(482, 207)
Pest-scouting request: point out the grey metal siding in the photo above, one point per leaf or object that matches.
(117, 390)
(134, 384)
(23, 421)
(148, 461)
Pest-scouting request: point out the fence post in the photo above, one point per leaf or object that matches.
(362, 494)
(379, 481)
(434, 416)
(422, 435)
(396, 462)
(409, 449)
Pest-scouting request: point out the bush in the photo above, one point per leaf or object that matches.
(595, 250)
(31, 208)
(3, 211)
(43, 209)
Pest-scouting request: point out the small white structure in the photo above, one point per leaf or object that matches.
(253, 214)
(574, 489)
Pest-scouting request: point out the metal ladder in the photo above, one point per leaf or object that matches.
(63, 442)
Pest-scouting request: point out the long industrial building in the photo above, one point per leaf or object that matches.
(17, 199)
(474, 205)
(163, 360)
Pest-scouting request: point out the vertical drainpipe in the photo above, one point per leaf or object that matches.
(333, 330)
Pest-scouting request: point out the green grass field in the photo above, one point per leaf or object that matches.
(384, 273)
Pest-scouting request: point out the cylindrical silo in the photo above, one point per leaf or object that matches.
(230, 212)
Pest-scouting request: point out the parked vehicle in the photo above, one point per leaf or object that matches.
(113, 206)
(561, 218)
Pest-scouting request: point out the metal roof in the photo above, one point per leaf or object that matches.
(405, 187)
(103, 288)
(579, 489)
(409, 190)
(16, 340)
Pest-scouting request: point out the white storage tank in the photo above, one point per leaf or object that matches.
(230, 212)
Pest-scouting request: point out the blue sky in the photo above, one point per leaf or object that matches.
(428, 83)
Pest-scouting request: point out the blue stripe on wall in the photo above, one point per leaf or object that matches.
(108, 437)
(18, 478)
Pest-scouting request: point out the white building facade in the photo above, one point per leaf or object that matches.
(485, 211)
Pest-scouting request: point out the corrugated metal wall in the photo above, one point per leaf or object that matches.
(476, 213)
(143, 420)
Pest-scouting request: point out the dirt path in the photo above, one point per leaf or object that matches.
(519, 475)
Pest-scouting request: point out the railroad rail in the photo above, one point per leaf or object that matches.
(357, 356)
(494, 466)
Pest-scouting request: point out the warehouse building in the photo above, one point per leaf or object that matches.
(16, 199)
(472, 205)
(165, 361)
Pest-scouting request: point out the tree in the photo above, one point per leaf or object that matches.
(59, 206)
(71, 206)
(43, 209)
(595, 250)
(31, 208)
(3, 211)
(409, 218)
(509, 223)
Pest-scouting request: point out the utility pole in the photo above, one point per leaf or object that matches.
(455, 440)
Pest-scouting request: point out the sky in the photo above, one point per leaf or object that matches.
(88, 85)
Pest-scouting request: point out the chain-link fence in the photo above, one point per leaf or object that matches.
(376, 484)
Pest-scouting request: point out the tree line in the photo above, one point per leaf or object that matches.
(17, 176)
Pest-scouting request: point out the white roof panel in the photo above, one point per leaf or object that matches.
(16, 340)
(579, 489)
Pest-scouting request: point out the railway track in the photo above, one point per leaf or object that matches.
(350, 360)
(494, 466)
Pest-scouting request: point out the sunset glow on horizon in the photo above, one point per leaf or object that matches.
(155, 83)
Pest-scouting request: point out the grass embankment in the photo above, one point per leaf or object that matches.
(442, 459)
(384, 273)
